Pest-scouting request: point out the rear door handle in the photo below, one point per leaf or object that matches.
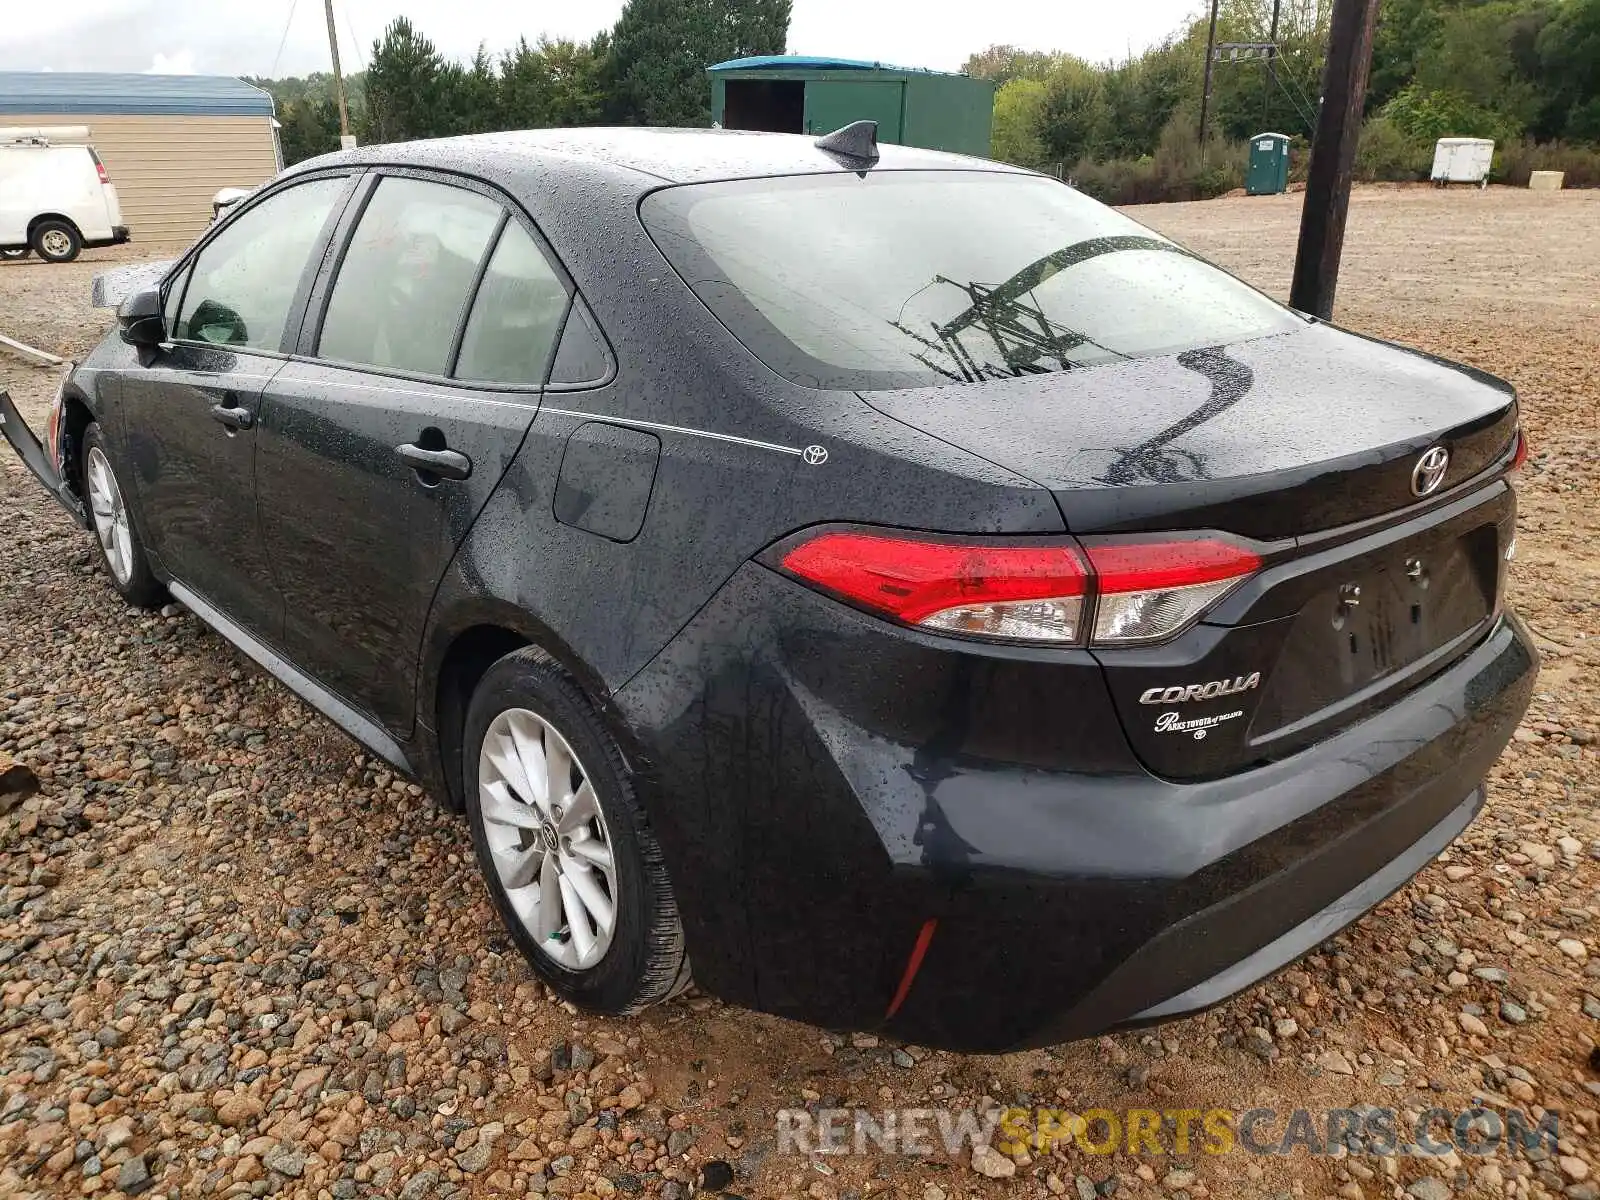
(447, 464)
(233, 418)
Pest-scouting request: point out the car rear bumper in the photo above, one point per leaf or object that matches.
(831, 790)
(35, 457)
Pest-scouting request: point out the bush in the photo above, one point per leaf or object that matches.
(1387, 153)
(1174, 172)
(1515, 161)
(1428, 115)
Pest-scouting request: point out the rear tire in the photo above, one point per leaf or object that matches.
(16, 253)
(56, 241)
(121, 553)
(563, 844)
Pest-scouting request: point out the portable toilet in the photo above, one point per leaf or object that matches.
(913, 107)
(1462, 160)
(1268, 172)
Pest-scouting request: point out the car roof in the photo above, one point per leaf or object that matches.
(651, 155)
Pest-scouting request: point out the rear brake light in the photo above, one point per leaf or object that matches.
(1519, 455)
(99, 166)
(1027, 593)
(1149, 591)
(1138, 592)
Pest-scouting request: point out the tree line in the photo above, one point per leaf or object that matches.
(1524, 72)
(648, 69)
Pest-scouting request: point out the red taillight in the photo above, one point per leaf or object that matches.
(1519, 455)
(986, 590)
(1141, 591)
(100, 167)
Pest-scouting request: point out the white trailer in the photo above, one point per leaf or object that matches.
(1462, 160)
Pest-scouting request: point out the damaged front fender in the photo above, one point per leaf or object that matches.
(38, 459)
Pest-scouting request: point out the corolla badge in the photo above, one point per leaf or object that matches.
(1428, 474)
(1217, 688)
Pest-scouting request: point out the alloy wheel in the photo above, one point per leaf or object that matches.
(110, 517)
(547, 838)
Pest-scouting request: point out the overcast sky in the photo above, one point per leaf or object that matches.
(243, 37)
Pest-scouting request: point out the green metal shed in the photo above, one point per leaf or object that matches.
(791, 94)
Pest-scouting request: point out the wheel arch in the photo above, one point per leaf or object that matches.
(53, 216)
(76, 417)
(462, 651)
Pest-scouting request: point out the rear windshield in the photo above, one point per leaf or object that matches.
(908, 278)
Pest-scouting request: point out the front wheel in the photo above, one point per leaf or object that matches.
(121, 553)
(563, 846)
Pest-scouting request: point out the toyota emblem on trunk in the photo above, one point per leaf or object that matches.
(1428, 474)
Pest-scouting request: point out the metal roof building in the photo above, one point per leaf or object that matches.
(791, 93)
(168, 141)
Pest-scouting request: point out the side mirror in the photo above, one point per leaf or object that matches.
(225, 200)
(139, 318)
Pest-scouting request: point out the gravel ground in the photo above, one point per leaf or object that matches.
(237, 957)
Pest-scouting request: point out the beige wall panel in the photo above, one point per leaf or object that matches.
(167, 167)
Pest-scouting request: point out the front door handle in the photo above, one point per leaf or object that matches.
(233, 418)
(446, 464)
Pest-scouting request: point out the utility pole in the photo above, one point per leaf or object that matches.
(1333, 155)
(1272, 60)
(1205, 91)
(346, 142)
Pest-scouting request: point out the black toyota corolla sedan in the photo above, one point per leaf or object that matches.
(916, 595)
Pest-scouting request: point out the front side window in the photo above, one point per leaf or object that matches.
(515, 316)
(403, 285)
(244, 281)
(909, 278)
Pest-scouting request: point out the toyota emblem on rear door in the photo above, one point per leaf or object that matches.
(1428, 474)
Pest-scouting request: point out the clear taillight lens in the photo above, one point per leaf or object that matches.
(1149, 591)
(1133, 591)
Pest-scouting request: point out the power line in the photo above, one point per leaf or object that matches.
(355, 41)
(273, 74)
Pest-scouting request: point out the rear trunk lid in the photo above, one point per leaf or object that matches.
(1307, 446)
(1273, 438)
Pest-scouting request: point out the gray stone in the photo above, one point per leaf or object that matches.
(1513, 1012)
(134, 1177)
(476, 1159)
(419, 1185)
(285, 1160)
(1428, 1188)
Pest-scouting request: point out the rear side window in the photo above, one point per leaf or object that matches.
(909, 278)
(403, 285)
(244, 281)
(515, 316)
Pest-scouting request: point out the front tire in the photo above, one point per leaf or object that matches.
(121, 553)
(57, 241)
(564, 848)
